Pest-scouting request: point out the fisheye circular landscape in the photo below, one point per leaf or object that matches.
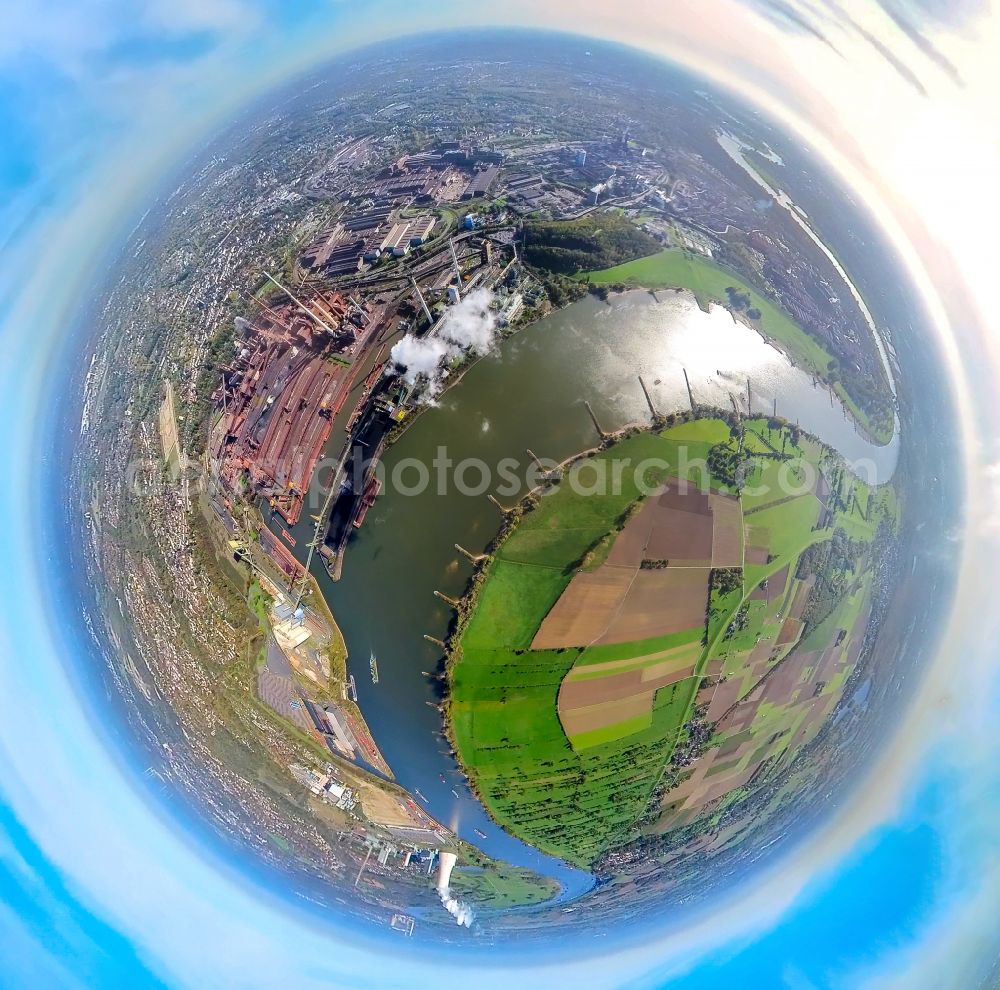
(511, 481)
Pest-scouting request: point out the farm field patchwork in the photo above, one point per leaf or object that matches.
(606, 631)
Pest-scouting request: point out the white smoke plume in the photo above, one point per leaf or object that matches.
(469, 327)
(420, 357)
(461, 912)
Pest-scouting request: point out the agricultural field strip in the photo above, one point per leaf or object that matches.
(597, 670)
(621, 605)
(710, 650)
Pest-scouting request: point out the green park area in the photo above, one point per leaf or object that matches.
(501, 886)
(569, 742)
(595, 240)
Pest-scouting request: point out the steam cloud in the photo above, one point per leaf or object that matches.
(461, 912)
(469, 327)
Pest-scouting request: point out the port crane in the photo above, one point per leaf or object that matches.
(318, 532)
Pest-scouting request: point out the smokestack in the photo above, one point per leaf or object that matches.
(423, 302)
(454, 258)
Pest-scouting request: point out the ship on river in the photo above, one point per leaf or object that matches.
(373, 665)
(367, 501)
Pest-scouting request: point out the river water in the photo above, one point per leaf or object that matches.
(530, 395)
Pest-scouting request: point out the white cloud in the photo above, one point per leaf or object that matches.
(179, 16)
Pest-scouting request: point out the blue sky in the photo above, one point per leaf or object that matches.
(97, 100)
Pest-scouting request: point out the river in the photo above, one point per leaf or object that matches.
(530, 395)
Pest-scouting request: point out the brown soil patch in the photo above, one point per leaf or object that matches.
(609, 713)
(741, 718)
(726, 695)
(681, 538)
(775, 587)
(618, 602)
(585, 608)
(727, 540)
(719, 787)
(790, 630)
(776, 584)
(388, 808)
(788, 682)
(660, 602)
(630, 544)
(686, 498)
(614, 687)
(801, 597)
(675, 525)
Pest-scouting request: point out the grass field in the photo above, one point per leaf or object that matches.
(501, 887)
(514, 600)
(788, 524)
(710, 431)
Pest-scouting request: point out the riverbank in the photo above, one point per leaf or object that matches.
(337, 690)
